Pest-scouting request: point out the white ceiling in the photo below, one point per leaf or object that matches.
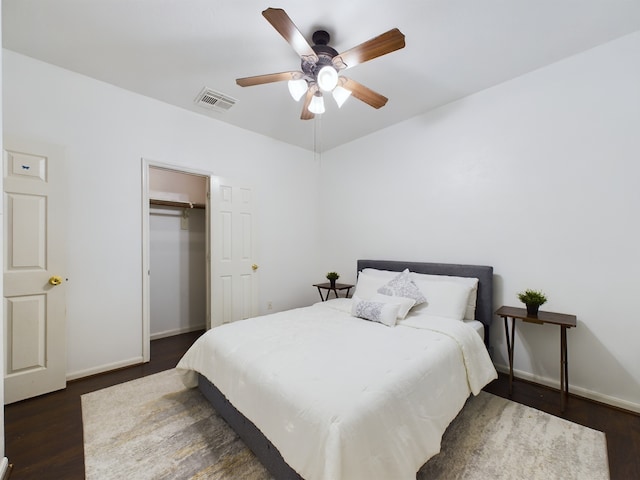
(171, 49)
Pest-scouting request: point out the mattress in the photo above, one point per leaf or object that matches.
(340, 397)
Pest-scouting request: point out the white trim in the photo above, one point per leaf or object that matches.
(4, 468)
(582, 392)
(146, 316)
(104, 368)
(176, 331)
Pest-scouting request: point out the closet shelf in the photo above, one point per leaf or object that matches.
(171, 203)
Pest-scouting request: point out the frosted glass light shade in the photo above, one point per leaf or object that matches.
(327, 78)
(297, 88)
(317, 104)
(340, 95)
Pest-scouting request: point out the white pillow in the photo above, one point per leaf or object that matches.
(388, 274)
(370, 280)
(385, 313)
(444, 299)
(470, 313)
(404, 303)
(402, 286)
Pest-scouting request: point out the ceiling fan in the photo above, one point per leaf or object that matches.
(321, 64)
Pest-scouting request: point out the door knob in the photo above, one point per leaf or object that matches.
(254, 267)
(55, 280)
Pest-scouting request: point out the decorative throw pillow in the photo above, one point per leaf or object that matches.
(385, 313)
(405, 303)
(403, 286)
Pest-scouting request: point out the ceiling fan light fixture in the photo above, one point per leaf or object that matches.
(317, 104)
(321, 63)
(297, 88)
(340, 95)
(327, 78)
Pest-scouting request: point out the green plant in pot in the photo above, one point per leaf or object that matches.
(332, 277)
(532, 299)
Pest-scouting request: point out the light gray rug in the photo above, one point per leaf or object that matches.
(153, 428)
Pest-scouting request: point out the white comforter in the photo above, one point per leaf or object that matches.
(342, 398)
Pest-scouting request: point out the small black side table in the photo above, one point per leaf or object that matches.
(564, 321)
(335, 289)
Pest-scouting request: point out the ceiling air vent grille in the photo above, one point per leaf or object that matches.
(213, 100)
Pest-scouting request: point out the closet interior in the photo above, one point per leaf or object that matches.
(177, 252)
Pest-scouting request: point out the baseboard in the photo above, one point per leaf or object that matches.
(126, 363)
(104, 368)
(573, 389)
(5, 468)
(177, 331)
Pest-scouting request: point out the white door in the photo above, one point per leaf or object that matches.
(234, 279)
(34, 270)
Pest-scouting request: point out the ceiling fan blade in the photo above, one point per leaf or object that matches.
(279, 19)
(306, 114)
(376, 47)
(268, 78)
(365, 94)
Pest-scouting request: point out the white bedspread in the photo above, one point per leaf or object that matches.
(342, 398)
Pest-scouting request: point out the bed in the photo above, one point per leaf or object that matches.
(353, 388)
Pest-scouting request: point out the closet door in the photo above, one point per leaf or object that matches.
(233, 271)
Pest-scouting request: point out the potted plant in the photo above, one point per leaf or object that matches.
(532, 299)
(332, 277)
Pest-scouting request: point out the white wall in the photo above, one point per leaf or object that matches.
(177, 258)
(537, 177)
(106, 132)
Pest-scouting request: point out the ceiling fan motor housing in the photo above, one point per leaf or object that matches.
(325, 55)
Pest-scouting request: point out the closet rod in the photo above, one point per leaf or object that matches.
(170, 203)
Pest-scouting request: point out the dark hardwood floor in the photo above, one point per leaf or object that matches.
(44, 434)
(622, 428)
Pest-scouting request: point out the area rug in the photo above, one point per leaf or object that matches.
(154, 428)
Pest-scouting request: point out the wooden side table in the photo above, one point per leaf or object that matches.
(564, 321)
(335, 289)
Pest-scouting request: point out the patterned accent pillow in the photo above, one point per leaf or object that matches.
(385, 313)
(403, 286)
(405, 303)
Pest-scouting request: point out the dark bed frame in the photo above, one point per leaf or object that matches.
(264, 450)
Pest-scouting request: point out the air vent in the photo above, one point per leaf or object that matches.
(213, 100)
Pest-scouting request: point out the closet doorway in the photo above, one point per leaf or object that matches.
(176, 290)
(171, 203)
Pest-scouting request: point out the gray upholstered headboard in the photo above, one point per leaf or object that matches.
(484, 304)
